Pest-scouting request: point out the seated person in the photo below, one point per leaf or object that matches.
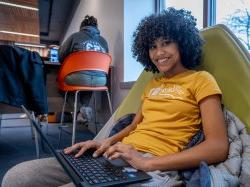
(175, 106)
(87, 39)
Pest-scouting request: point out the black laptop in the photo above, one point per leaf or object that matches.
(88, 171)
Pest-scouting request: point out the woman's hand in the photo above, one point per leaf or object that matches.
(81, 147)
(129, 154)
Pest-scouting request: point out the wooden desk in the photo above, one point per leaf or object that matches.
(52, 63)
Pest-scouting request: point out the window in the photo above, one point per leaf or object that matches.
(236, 15)
(134, 11)
(195, 6)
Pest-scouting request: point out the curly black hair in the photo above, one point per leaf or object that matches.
(174, 25)
(89, 21)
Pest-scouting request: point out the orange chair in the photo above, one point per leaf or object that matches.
(80, 61)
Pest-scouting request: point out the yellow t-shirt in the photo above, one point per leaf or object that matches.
(171, 114)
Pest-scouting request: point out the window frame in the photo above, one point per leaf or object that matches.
(127, 84)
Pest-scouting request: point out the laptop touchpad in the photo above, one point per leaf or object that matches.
(119, 162)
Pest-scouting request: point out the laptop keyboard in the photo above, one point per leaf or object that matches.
(96, 170)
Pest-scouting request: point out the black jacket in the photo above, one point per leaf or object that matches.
(87, 39)
(22, 79)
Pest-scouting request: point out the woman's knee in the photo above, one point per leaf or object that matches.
(19, 176)
(29, 173)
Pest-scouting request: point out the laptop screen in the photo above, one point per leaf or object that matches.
(54, 55)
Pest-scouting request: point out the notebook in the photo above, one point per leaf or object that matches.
(89, 171)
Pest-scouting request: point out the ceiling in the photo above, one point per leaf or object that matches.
(54, 18)
(14, 19)
(47, 25)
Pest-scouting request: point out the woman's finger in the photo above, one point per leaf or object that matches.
(117, 148)
(86, 146)
(82, 150)
(115, 156)
(99, 151)
(71, 149)
(110, 151)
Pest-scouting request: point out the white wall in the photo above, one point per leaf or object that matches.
(109, 14)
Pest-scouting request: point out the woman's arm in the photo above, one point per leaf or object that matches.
(119, 136)
(212, 150)
(104, 144)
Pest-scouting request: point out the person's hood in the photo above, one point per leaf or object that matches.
(91, 29)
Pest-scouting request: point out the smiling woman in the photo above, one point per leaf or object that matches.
(187, 43)
(166, 57)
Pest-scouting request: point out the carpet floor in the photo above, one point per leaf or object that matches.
(17, 144)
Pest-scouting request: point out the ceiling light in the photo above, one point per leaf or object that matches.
(19, 33)
(30, 45)
(18, 6)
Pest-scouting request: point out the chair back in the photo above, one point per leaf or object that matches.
(226, 59)
(82, 61)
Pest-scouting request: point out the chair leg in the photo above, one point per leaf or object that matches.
(0, 123)
(41, 140)
(32, 131)
(61, 121)
(64, 103)
(96, 130)
(47, 128)
(36, 138)
(110, 105)
(37, 144)
(74, 119)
